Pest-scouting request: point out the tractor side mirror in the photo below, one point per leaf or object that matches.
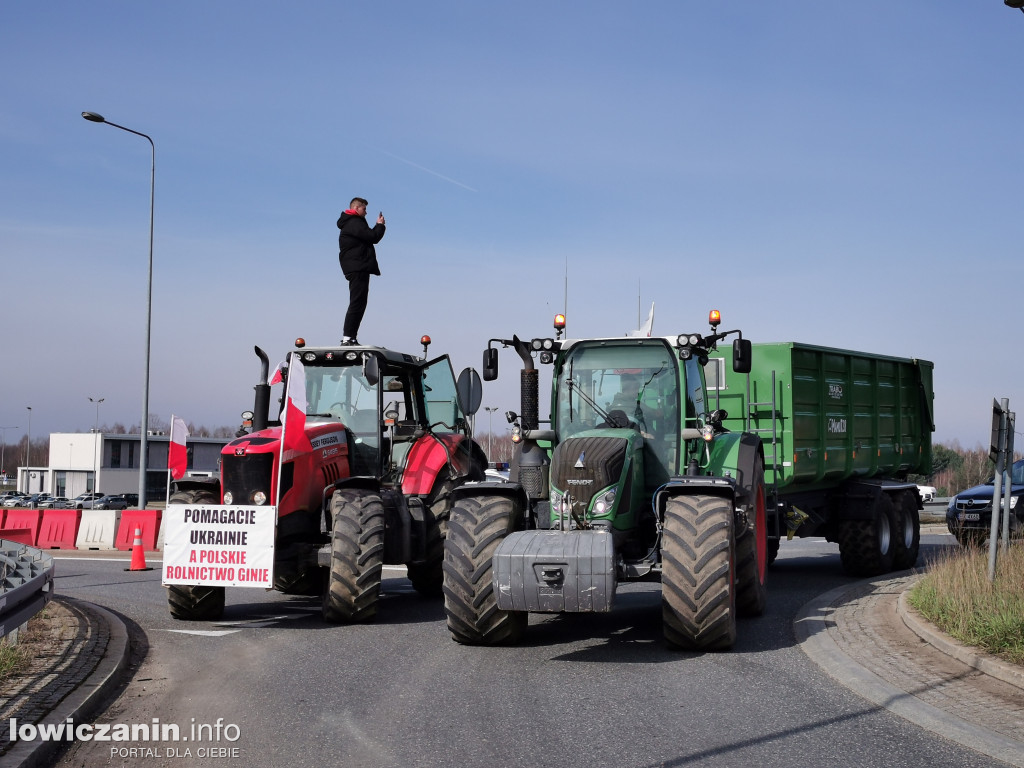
(741, 349)
(470, 391)
(371, 370)
(490, 364)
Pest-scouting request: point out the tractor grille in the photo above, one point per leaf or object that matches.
(534, 481)
(243, 475)
(600, 458)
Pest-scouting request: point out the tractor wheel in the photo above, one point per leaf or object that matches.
(299, 574)
(752, 552)
(907, 541)
(477, 526)
(191, 602)
(698, 596)
(866, 547)
(194, 603)
(357, 556)
(427, 577)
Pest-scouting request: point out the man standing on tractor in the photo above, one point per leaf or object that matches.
(358, 259)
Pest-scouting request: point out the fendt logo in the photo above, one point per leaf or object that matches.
(837, 426)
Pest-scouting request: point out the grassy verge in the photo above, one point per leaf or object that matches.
(957, 597)
(15, 658)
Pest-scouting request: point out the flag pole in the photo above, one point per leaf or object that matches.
(167, 488)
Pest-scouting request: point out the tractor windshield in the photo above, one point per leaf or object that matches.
(343, 394)
(621, 384)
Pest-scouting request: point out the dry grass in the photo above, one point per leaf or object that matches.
(16, 657)
(956, 595)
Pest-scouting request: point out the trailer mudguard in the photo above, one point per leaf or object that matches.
(856, 500)
(430, 455)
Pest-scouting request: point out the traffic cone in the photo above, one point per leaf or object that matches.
(138, 554)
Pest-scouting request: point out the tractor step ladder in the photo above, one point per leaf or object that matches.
(756, 415)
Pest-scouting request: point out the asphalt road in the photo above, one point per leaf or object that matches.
(583, 691)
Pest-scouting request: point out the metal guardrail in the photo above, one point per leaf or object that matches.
(26, 584)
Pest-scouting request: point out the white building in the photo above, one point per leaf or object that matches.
(109, 463)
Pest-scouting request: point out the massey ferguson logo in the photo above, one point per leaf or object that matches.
(579, 462)
(239, 451)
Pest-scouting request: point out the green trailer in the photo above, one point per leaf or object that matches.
(841, 432)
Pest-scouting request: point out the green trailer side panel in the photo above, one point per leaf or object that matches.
(834, 414)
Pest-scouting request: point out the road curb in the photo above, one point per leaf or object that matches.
(86, 699)
(811, 627)
(990, 665)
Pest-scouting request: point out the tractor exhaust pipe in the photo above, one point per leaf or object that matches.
(529, 387)
(261, 406)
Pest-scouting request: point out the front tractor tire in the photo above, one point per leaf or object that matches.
(476, 528)
(698, 595)
(189, 602)
(357, 556)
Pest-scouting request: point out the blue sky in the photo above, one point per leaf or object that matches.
(844, 174)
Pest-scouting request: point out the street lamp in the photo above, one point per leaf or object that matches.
(28, 443)
(95, 431)
(3, 448)
(490, 412)
(144, 447)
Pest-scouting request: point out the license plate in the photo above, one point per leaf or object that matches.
(969, 516)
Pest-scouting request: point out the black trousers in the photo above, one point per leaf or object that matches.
(358, 293)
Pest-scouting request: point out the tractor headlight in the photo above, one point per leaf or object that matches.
(259, 498)
(605, 503)
(229, 497)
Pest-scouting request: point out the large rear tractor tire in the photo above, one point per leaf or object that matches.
(357, 556)
(866, 547)
(907, 539)
(698, 595)
(752, 552)
(191, 602)
(476, 528)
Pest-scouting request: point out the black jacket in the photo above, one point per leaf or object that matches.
(355, 244)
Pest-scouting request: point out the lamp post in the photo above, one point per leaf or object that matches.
(3, 448)
(28, 442)
(95, 431)
(144, 447)
(490, 412)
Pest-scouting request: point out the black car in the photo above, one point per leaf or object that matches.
(969, 514)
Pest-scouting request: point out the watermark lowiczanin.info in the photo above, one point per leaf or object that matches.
(154, 731)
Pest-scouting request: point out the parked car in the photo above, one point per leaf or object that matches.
(927, 493)
(132, 499)
(19, 500)
(36, 499)
(56, 502)
(109, 502)
(85, 500)
(969, 514)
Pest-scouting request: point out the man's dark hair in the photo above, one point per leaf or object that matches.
(357, 200)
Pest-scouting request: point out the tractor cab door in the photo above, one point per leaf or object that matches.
(441, 398)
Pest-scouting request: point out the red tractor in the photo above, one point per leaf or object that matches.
(389, 439)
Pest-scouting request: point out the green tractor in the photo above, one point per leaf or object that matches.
(634, 478)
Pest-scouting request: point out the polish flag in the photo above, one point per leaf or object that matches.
(177, 454)
(277, 378)
(293, 427)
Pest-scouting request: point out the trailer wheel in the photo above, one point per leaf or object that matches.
(188, 602)
(907, 540)
(772, 549)
(476, 528)
(698, 595)
(866, 547)
(357, 556)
